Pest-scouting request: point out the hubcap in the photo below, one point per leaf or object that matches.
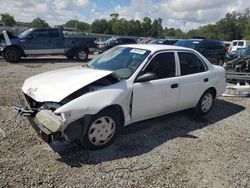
(82, 55)
(101, 131)
(11, 54)
(206, 103)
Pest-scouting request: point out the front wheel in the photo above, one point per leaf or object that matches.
(101, 130)
(81, 55)
(12, 54)
(205, 103)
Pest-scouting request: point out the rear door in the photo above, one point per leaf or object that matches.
(158, 96)
(56, 42)
(194, 79)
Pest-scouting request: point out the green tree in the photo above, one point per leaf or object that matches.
(146, 26)
(156, 29)
(114, 16)
(38, 22)
(101, 26)
(247, 31)
(81, 26)
(8, 20)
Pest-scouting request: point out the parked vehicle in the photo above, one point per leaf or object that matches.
(240, 64)
(126, 84)
(45, 41)
(164, 41)
(236, 44)
(114, 41)
(213, 50)
(233, 55)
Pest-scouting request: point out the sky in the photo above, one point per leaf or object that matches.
(183, 14)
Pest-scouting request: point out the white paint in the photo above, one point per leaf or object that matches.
(6, 38)
(150, 99)
(56, 85)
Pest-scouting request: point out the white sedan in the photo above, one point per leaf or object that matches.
(124, 85)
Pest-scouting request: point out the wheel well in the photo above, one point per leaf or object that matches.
(17, 47)
(213, 90)
(118, 110)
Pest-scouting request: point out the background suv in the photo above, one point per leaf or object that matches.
(213, 50)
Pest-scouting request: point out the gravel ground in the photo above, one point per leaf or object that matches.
(176, 150)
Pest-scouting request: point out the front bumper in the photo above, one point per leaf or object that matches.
(49, 126)
(41, 120)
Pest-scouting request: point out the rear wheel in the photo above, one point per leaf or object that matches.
(101, 129)
(12, 54)
(205, 103)
(81, 55)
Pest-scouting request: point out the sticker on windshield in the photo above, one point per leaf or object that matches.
(196, 42)
(138, 51)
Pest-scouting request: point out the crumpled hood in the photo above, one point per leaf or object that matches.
(55, 85)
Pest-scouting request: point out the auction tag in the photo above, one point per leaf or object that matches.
(138, 51)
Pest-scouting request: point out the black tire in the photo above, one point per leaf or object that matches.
(12, 54)
(204, 106)
(69, 56)
(81, 55)
(95, 129)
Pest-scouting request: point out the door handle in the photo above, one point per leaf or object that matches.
(205, 79)
(174, 86)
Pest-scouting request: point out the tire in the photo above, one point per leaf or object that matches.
(205, 103)
(101, 130)
(81, 55)
(69, 56)
(12, 54)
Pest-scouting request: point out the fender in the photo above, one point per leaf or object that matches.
(94, 102)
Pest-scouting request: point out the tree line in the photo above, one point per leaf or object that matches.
(235, 25)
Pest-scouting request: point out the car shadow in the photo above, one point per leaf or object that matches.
(140, 138)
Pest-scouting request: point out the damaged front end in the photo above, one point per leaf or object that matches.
(47, 124)
(53, 127)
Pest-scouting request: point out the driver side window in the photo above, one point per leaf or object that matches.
(162, 65)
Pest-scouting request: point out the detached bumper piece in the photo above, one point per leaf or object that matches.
(24, 111)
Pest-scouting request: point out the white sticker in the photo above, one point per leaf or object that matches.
(196, 42)
(138, 51)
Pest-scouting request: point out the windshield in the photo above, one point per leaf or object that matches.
(187, 43)
(25, 33)
(123, 61)
(110, 40)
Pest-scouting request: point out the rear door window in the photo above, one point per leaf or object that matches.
(54, 33)
(190, 63)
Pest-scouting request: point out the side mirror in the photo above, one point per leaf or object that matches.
(146, 77)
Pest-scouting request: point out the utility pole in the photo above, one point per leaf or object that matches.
(183, 29)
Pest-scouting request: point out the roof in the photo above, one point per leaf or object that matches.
(156, 47)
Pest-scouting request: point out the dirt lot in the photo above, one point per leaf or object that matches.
(177, 150)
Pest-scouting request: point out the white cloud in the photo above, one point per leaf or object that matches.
(173, 12)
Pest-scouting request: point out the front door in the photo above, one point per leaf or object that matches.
(158, 96)
(37, 42)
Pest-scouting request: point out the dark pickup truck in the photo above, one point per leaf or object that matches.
(45, 41)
